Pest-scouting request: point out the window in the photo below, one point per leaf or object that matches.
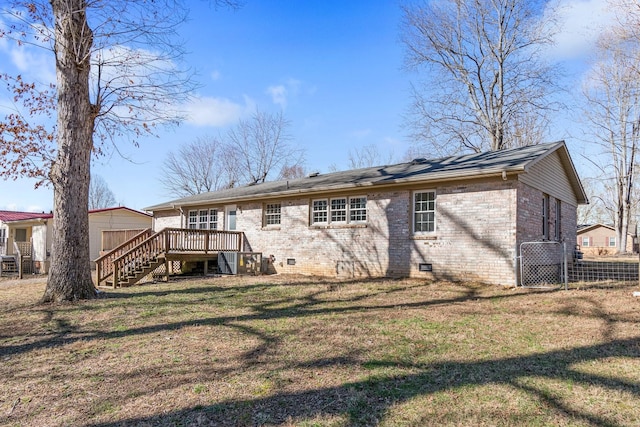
(424, 212)
(3, 235)
(338, 210)
(585, 241)
(545, 217)
(341, 210)
(20, 235)
(193, 219)
(272, 214)
(358, 209)
(213, 219)
(558, 220)
(320, 212)
(612, 242)
(203, 219)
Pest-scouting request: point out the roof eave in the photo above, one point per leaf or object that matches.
(444, 177)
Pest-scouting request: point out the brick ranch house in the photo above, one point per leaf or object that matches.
(600, 239)
(460, 218)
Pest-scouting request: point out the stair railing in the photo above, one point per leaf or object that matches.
(104, 264)
(173, 240)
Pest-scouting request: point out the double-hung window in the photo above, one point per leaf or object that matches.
(357, 209)
(424, 211)
(203, 219)
(320, 212)
(339, 210)
(612, 242)
(545, 217)
(272, 214)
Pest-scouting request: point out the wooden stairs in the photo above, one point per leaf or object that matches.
(8, 266)
(146, 252)
(137, 272)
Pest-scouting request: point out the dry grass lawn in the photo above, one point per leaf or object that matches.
(285, 351)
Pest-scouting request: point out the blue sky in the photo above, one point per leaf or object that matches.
(333, 67)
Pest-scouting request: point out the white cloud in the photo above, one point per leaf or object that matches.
(282, 93)
(278, 95)
(33, 60)
(217, 112)
(580, 22)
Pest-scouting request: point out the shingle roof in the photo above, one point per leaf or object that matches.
(515, 160)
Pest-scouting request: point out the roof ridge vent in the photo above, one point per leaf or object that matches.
(418, 161)
(313, 174)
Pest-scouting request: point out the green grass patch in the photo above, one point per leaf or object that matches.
(284, 351)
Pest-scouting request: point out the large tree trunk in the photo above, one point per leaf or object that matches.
(70, 273)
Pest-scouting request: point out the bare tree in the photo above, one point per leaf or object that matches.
(292, 172)
(100, 195)
(612, 92)
(260, 147)
(198, 167)
(109, 84)
(486, 87)
(368, 156)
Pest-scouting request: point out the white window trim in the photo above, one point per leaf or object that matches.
(347, 211)
(266, 214)
(198, 223)
(413, 213)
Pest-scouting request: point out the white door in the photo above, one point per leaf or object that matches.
(230, 218)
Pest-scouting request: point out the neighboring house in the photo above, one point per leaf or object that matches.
(458, 218)
(37, 228)
(26, 227)
(600, 239)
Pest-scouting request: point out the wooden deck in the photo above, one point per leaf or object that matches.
(142, 254)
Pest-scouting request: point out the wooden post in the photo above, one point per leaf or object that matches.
(116, 273)
(98, 272)
(166, 268)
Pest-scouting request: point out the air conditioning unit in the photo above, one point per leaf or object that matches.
(240, 262)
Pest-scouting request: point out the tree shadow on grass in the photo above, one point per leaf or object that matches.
(311, 305)
(367, 402)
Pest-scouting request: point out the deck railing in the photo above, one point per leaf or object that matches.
(104, 264)
(168, 241)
